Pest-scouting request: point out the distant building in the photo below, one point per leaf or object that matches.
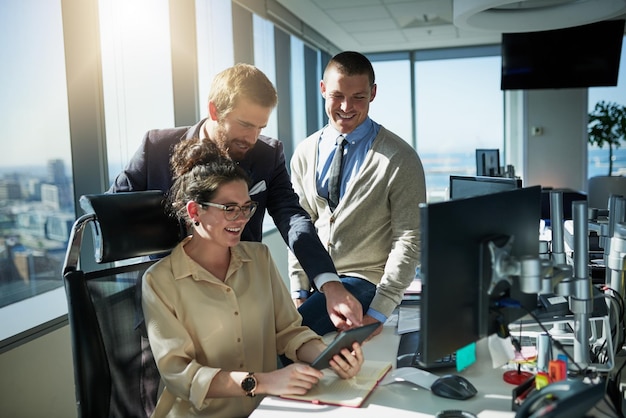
(58, 227)
(57, 177)
(50, 196)
(10, 190)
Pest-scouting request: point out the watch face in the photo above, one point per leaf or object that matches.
(248, 384)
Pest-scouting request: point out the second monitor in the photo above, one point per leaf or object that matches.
(470, 186)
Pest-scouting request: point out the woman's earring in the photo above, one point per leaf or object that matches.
(196, 223)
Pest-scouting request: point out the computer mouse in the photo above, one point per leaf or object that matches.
(454, 413)
(453, 386)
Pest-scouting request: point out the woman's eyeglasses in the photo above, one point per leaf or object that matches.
(232, 211)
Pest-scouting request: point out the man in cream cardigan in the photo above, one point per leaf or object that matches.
(372, 234)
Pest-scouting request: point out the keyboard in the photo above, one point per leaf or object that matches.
(409, 354)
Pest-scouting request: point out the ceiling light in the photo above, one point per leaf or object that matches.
(508, 16)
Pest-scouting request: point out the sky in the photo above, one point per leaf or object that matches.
(33, 103)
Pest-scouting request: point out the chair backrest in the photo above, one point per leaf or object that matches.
(112, 376)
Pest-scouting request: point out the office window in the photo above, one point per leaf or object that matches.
(598, 158)
(392, 105)
(215, 49)
(136, 74)
(264, 59)
(36, 197)
(298, 93)
(459, 107)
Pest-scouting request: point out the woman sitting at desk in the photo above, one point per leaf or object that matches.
(217, 311)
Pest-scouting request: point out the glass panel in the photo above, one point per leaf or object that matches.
(298, 93)
(136, 74)
(392, 105)
(264, 59)
(598, 158)
(215, 49)
(459, 109)
(36, 197)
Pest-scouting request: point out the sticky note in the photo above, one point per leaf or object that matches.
(465, 357)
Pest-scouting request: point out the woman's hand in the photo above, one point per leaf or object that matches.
(349, 363)
(295, 379)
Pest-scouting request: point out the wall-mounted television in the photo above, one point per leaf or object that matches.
(580, 56)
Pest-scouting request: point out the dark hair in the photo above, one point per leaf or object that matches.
(199, 169)
(191, 152)
(352, 63)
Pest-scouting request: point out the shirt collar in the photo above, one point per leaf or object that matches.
(356, 135)
(183, 266)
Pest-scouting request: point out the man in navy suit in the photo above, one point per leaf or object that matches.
(240, 103)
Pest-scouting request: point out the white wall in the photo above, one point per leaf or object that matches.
(557, 155)
(37, 378)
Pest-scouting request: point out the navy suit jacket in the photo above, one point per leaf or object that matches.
(149, 169)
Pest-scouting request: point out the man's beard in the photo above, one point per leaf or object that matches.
(224, 144)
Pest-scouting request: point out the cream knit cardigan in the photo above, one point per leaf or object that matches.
(374, 231)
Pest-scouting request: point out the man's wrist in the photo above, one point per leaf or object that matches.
(376, 315)
(321, 279)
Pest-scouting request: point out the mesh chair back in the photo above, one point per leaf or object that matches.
(115, 375)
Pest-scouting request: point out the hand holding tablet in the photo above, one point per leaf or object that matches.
(344, 339)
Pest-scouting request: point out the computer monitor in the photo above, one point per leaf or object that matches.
(487, 162)
(469, 186)
(456, 267)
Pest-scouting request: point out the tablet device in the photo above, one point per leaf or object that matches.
(344, 339)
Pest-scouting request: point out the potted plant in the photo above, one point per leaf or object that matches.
(607, 125)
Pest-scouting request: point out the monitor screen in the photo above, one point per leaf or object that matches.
(469, 186)
(487, 162)
(580, 56)
(455, 266)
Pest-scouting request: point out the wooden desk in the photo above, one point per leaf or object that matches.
(404, 399)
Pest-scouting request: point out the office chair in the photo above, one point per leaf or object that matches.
(108, 349)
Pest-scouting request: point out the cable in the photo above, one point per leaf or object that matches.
(511, 303)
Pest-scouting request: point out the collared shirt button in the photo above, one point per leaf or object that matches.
(236, 313)
(228, 289)
(238, 340)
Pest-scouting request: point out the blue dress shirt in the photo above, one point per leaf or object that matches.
(359, 142)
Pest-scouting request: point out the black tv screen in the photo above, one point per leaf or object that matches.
(580, 56)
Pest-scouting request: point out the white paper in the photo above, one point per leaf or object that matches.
(408, 319)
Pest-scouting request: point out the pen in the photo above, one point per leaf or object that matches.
(520, 398)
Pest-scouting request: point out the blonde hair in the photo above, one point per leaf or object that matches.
(242, 81)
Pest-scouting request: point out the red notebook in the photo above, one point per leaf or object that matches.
(332, 390)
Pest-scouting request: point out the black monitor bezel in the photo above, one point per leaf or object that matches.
(454, 306)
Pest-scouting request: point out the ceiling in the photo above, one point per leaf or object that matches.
(390, 25)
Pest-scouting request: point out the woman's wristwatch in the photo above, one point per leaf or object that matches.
(248, 384)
